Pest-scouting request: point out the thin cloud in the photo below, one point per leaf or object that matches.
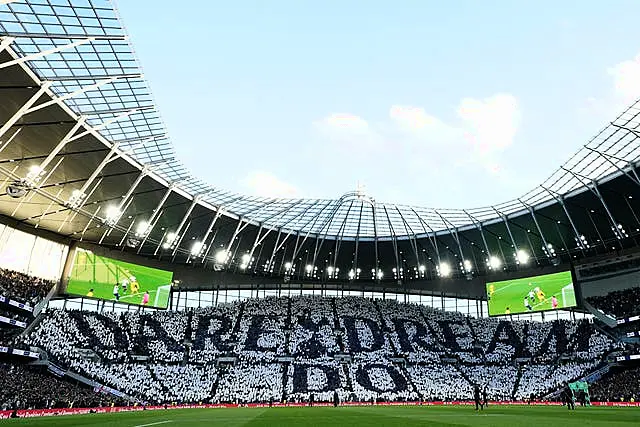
(486, 127)
(626, 78)
(414, 146)
(266, 184)
(624, 90)
(349, 132)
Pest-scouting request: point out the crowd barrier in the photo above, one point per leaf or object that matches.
(29, 413)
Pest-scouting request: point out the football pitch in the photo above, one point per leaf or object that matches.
(508, 296)
(366, 416)
(100, 274)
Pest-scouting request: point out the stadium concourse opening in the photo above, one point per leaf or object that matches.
(133, 293)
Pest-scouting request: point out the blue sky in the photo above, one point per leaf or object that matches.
(439, 104)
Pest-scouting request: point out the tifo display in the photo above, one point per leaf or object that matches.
(318, 349)
(96, 276)
(537, 293)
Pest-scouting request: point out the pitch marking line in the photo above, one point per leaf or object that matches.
(154, 424)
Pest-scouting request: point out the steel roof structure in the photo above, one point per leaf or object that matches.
(81, 137)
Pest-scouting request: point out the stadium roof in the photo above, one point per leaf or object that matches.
(80, 131)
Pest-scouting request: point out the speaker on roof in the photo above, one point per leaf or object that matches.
(17, 189)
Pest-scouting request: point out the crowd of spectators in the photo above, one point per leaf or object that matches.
(621, 303)
(616, 386)
(541, 380)
(24, 387)
(305, 348)
(152, 383)
(22, 287)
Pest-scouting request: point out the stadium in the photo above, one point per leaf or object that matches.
(134, 293)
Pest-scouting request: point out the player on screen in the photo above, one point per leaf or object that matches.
(90, 293)
(540, 294)
(554, 302)
(116, 292)
(527, 304)
(135, 287)
(492, 289)
(532, 295)
(145, 298)
(507, 310)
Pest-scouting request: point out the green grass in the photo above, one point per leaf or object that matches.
(99, 273)
(511, 293)
(519, 416)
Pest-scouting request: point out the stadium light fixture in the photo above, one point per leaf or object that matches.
(309, 268)
(169, 240)
(197, 247)
(620, 232)
(246, 258)
(494, 262)
(34, 175)
(287, 266)
(444, 269)
(143, 228)
(330, 270)
(582, 242)
(221, 256)
(422, 269)
(468, 267)
(352, 274)
(76, 199)
(549, 250)
(522, 256)
(113, 214)
(380, 274)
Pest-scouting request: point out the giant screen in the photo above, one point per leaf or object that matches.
(96, 276)
(529, 294)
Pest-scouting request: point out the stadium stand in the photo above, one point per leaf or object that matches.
(620, 303)
(22, 287)
(276, 349)
(616, 386)
(23, 387)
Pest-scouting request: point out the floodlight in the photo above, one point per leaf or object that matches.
(113, 214)
(522, 256)
(352, 274)
(287, 266)
(197, 247)
(34, 170)
(467, 265)
(309, 268)
(444, 269)
(422, 268)
(380, 274)
(494, 262)
(330, 270)
(221, 256)
(246, 258)
(34, 174)
(142, 228)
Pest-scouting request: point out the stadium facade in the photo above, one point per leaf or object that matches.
(282, 301)
(85, 160)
